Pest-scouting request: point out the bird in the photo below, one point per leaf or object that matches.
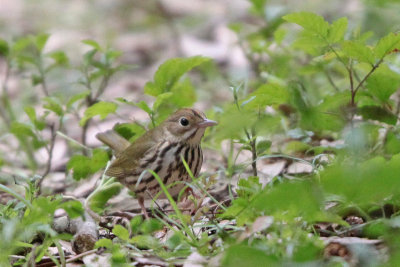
(161, 150)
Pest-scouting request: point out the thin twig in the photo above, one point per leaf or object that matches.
(330, 80)
(50, 158)
(368, 74)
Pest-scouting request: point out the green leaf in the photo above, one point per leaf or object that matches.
(337, 30)
(363, 183)
(310, 22)
(129, 131)
(378, 113)
(74, 208)
(143, 105)
(4, 48)
(291, 200)
(262, 146)
(161, 98)
(93, 44)
(358, 51)
(145, 242)
(77, 97)
(30, 111)
(41, 40)
(53, 105)
(245, 256)
(82, 166)
(59, 57)
(101, 109)
(184, 94)
(104, 242)
(269, 94)
(170, 72)
(98, 201)
(383, 83)
(121, 232)
(386, 45)
(279, 35)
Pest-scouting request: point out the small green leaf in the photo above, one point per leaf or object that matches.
(262, 146)
(337, 30)
(98, 201)
(358, 51)
(104, 242)
(102, 109)
(41, 40)
(130, 131)
(93, 44)
(30, 111)
(386, 45)
(74, 208)
(53, 105)
(4, 48)
(82, 166)
(59, 57)
(170, 72)
(143, 105)
(121, 232)
(77, 97)
(310, 22)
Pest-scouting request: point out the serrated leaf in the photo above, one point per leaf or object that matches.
(358, 51)
(383, 83)
(102, 109)
(121, 232)
(310, 22)
(386, 45)
(337, 30)
(77, 97)
(170, 72)
(53, 105)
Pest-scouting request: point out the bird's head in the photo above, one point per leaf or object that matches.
(187, 125)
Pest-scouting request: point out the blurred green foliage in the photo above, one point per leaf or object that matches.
(318, 80)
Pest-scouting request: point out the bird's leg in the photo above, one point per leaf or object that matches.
(141, 204)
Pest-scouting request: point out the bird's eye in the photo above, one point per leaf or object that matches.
(183, 121)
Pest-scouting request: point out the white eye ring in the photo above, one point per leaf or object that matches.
(183, 121)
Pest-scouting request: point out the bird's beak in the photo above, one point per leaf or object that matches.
(206, 123)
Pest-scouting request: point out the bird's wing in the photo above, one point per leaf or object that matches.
(127, 162)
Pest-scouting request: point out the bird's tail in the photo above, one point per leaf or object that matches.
(112, 139)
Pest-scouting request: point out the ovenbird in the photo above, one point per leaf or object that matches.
(159, 149)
